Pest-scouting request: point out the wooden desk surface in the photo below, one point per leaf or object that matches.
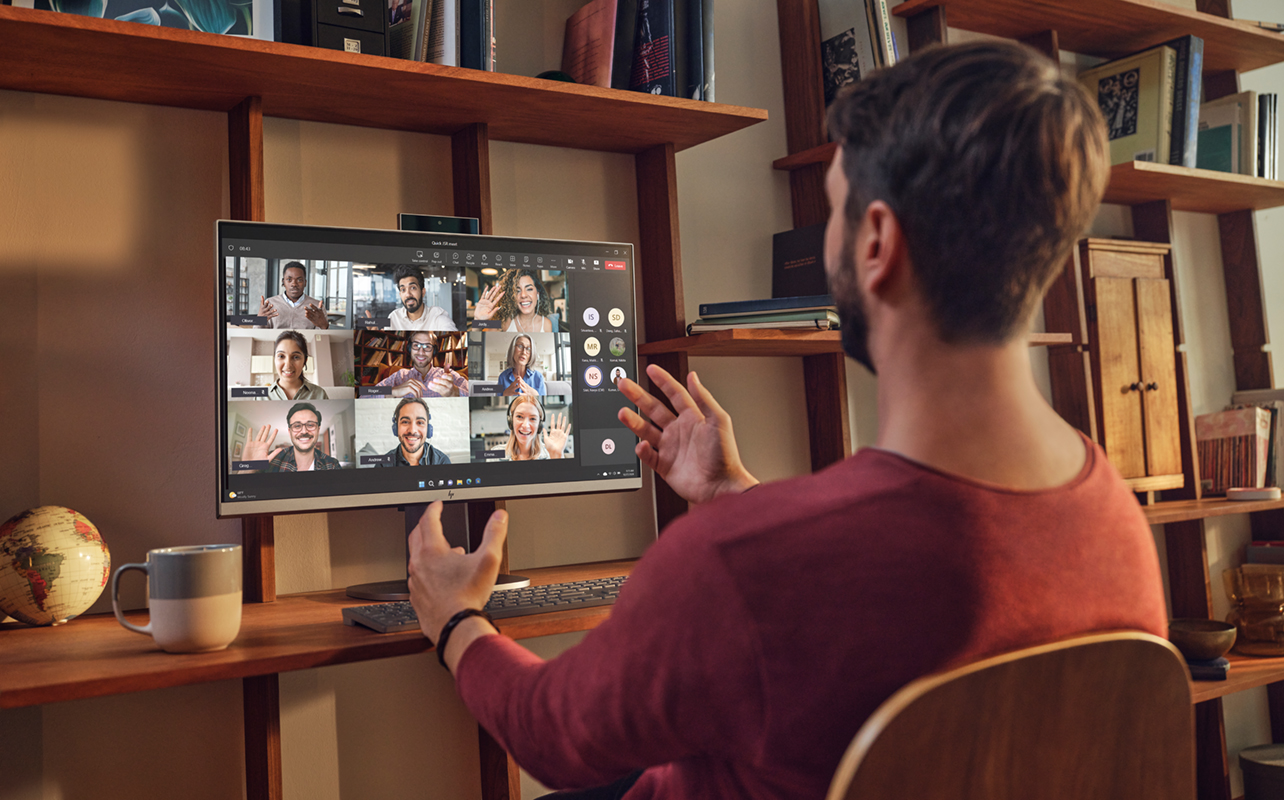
(94, 656)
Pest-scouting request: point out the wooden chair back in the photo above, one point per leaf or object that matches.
(1096, 717)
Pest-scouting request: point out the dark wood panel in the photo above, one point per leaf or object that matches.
(801, 74)
(500, 777)
(820, 154)
(93, 656)
(807, 195)
(1275, 705)
(1113, 28)
(1244, 302)
(258, 551)
(1268, 526)
(261, 697)
(927, 27)
(1046, 42)
(1220, 84)
(470, 169)
(1188, 584)
(660, 247)
(245, 160)
(1212, 775)
(88, 57)
(828, 423)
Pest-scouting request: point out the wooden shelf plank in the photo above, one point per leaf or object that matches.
(109, 60)
(1112, 28)
(820, 154)
(769, 342)
(1191, 189)
(94, 656)
(1183, 510)
(1246, 672)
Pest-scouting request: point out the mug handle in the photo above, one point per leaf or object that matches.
(115, 598)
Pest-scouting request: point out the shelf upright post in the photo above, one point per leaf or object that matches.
(261, 694)
(824, 375)
(470, 171)
(659, 266)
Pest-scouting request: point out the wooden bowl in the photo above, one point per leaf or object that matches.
(1201, 639)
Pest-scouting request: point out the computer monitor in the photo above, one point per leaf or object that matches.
(369, 368)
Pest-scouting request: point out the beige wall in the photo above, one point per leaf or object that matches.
(106, 343)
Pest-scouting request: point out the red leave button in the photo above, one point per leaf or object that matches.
(615, 265)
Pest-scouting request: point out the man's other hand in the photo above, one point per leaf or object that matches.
(694, 450)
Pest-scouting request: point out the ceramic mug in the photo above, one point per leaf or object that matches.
(194, 596)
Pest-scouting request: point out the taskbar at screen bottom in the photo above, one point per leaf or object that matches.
(446, 485)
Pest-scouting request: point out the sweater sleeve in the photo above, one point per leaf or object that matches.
(673, 673)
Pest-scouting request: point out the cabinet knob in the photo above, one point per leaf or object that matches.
(1134, 387)
(1152, 387)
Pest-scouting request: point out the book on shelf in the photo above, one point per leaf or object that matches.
(820, 302)
(1135, 94)
(803, 320)
(848, 51)
(441, 39)
(881, 22)
(653, 49)
(1233, 448)
(1267, 126)
(671, 52)
(251, 19)
(589, 42)
(477, 34)
(1273, 401)
(798, 262)
(1233, 137)
(1187, 84)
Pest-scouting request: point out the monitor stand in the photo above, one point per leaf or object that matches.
(454, 521)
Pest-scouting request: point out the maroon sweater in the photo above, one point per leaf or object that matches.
(760, 631)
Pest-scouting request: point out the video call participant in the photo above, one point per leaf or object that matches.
(413, 425)
(293, 308)
(518, 301)
(304, 424)
(413, 314)
(761, 629)
(527, 439)
(520, 375)
(422, 379)
(289, 359)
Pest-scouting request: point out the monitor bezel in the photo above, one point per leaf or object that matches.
(302, 505)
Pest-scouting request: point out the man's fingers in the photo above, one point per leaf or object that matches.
(492, 543)
(650, 405)
(672, 389)
(640, 427)
(647, 455)
(703, 397)
(428, 532)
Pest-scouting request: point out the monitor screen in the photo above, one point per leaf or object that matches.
(377, 367)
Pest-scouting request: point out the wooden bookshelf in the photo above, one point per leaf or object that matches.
(820, 154)
(109, 60)
(1189, 189)
(770, 342)
(1112, 28)
(94, 656)
(1186, 510)
(1246, 672)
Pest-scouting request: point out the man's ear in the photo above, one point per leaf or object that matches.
(880, 249)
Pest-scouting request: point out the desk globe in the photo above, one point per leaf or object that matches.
(53, 565)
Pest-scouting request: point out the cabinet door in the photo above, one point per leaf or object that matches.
(1158, 377)
(1122, 432)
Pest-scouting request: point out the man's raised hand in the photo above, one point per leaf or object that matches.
(694, 450)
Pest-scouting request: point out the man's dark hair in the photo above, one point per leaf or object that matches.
(295, 337)
(993, 162)
(396, 412)
(407, 271)
(294, 265)
(297, 407)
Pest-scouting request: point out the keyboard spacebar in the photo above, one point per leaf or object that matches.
(524, 611)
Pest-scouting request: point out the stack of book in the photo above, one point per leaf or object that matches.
(1234, 448)
(855, 39)
(816, 312)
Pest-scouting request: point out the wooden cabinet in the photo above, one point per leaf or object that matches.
(1116, 295)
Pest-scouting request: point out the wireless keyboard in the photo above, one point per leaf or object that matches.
(400, 616)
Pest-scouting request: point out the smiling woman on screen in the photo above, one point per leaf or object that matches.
(288, 361)
(528, 439)
(519, 302)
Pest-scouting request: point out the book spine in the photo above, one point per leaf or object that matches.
(626, 21)
(1181, 90)
(707, 66)
(1166, 105)
(885, 26)
(471, 34)
(1194, 83)
(757, 306)
(653, 49)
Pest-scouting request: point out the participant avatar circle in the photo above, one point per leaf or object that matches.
(593, 376)
(617, 346)
(608, 446)
(615, 317)
(591, 317)
(592, 346)
(618, 373)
